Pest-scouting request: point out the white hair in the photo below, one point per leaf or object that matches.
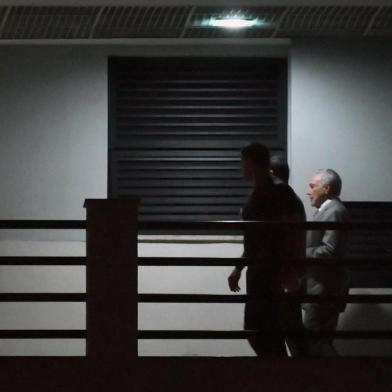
(331, 178)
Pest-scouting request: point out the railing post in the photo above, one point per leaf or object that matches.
(111, 280)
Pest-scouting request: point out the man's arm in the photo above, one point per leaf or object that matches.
(235, 275)
(234, 278)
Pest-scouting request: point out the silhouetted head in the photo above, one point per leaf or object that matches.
(280, 168)
(255, 161)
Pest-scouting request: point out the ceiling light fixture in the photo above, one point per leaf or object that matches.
(233, 22)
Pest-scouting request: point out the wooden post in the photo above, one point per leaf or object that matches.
(111, 280)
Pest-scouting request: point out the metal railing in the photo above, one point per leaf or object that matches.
(376, 263)
(237, 226)
(42, 297)
(112, 361)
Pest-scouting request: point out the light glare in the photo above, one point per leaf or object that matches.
(233, 23)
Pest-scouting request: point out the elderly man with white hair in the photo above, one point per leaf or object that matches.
(324, 191)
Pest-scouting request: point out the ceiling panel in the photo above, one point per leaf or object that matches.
(326, 21)
(383, 22)
(126, 22)
(48, 22)
(141, 22)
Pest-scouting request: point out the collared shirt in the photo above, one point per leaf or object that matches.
(324, 205)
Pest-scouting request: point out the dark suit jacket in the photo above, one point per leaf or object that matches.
(328, 243)
(276, 202)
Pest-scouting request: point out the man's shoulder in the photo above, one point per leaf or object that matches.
(337, 205)
(284, 189)
(287, 196)
(337, 210)
(281, 186)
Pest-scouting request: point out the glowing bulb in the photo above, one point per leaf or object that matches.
(233, 23)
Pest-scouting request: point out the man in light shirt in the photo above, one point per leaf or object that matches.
(324, 191)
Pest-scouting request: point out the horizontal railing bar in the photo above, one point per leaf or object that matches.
(42, 224)
(240, 225)
(192, 261)
(230, 298)
(43, 334)
(169, 334)
(234, 225)
(176, 334)
(241, 261)
(42, 260)
(43, 297)
(190, 298)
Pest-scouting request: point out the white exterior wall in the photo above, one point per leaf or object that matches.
(53, 155)
(340, 115)
(53, 132)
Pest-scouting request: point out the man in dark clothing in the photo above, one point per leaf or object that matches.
(280, 172)
(271, 200)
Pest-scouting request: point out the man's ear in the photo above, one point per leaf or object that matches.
(327, 189)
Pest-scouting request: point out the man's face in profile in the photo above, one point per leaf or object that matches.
(318, 192)
(247, 169)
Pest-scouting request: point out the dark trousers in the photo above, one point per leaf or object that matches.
(263, 316)
(270, 318)
(321, 317)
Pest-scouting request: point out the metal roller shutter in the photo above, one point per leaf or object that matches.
(176, 127)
